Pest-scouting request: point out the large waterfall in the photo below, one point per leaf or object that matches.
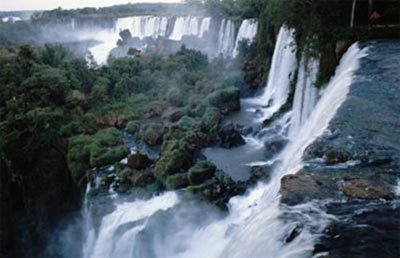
(164, 226)
(213, 36)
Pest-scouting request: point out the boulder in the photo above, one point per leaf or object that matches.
(177, 181)
(258, 173)
(200, 172)
(173, 114)
(133, 127)
(363, 189)
(229, 136)
(138, 161)
(300, 188)
(142, 178)
(273, 146)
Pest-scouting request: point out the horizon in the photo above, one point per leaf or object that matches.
(33, 5)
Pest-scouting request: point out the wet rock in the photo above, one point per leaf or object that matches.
(229, 136)
(274, 145)
(258, 173)
(300, 188)
(244, 130)
(200, 172)
(363, 189)
(138, 161)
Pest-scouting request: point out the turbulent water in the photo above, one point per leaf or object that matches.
(210, 35)
(257, 224)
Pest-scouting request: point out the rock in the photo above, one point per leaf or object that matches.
(211, 118)
(174, 159)
(244, 130)
(300, 188)
(138, 161)
(273, 146)
(173, 115)
(121, 122)
(229, 136)
(177, 181)
(258, 173)
(363, 189)
(200, 172)
(142, 178)
(152, 133)
(133, 127)
(226, 100)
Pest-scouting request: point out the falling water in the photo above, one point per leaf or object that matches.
(226, 38)
(247, 31)
(282, 69)
(205, 26)
(254, 226)
(306, 93)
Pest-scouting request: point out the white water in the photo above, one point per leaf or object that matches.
(225, 43)
(254, 227)
(108, 244)
(247, 31)
(205, 26)
(281, 72)
(306, 94)
(226, 38)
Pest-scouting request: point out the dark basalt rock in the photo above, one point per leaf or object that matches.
(274, 145)
(229, 136)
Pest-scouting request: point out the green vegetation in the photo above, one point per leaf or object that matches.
(51, 99)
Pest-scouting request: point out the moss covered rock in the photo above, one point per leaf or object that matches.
(226, 100)
(138, 161)
(133, 127)
(177, 181)
(174, 158)
(200, 172)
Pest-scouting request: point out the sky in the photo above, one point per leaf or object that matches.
(14, 5)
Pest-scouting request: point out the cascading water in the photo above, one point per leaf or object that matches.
(226, 38)
(282, 70)
(180, 30)
(247, 31)
(254, 220)
(306, 94)
(205, 26)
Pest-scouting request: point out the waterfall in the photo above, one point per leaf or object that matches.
(143, 26)
(73, 23)
(305, 95)
(185, 26)
(281, 72)
(205, 26)
(254, 226)
(226, 38)
(225, 44)
(108, 244)
(247, 31)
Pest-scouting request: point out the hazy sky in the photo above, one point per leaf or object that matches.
(12, 5)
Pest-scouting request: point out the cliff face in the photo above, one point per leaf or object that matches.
(357, 164)
(36, 192)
